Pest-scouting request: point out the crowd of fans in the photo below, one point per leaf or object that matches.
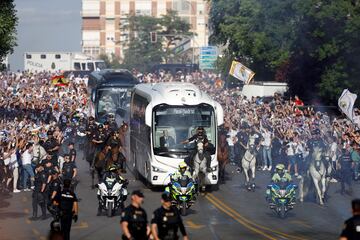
(35, 123)
(31, 107)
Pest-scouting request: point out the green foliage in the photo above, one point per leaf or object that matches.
(113, 62)
(8, 23)
(140, 52)
(53, 66)
(309, 43)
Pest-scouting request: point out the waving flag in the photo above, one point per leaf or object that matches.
(346, 103)
(59, 81)
(239, 71)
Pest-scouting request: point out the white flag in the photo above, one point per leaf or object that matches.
(239, 71)
(346, 103)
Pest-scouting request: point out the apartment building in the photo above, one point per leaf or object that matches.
(101, 21)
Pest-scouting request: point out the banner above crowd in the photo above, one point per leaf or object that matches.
(241, 72)
(346, 103)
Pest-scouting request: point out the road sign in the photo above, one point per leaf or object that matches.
(207, 57)
(182, 47)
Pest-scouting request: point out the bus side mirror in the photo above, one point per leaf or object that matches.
(93, 95)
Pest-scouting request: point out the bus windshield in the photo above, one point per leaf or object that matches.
(112, 100)
(174, 124)
(100, 65)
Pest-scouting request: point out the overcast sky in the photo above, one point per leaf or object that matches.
(46, 25)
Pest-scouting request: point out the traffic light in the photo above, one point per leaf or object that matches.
(153, 37)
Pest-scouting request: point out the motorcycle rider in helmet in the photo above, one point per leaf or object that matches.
(280, 176)
(112, 173)
(182, 171)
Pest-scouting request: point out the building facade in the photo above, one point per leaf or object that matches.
(102, 20)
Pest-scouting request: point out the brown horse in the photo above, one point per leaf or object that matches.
(101, 161)
(122, 149)
(222, 155)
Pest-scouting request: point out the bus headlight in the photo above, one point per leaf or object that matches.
(155, 169)
(214, 168)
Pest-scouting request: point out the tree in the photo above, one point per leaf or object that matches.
(173, 29)
(310, 44)
(8, 23)
(141, 53)
(53, 66)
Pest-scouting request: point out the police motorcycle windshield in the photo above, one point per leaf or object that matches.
(110, 182)
(183, 181)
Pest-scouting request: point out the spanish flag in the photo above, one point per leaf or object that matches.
(59, 81)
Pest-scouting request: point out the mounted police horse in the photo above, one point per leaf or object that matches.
(222, 155)
(200, 164)
(318, 173)
(248, 162)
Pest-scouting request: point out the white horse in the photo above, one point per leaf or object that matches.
(39, 153)
(200, 164)
(248, 162)
(319, 174)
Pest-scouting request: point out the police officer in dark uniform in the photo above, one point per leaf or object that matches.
(345, 170)
(167, 221)
(69, 171)
(112, 123)
(107, 130)
(243, 139)
(315, 141)
(38, 195)
(99, 139)
(67, 204)
(52, 146)
(90, 132)
(134, 223)
(54, 186)
(351, 229)
(199, 136)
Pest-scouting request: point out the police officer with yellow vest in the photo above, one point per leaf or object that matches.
(167, 221)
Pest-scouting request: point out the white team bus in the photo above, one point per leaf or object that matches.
(179, 109)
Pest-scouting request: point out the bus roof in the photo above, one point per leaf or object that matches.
(176, 93)
(111, 78)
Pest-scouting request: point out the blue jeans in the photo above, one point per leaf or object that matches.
(28, 172)
(266, 153)
(232, 153)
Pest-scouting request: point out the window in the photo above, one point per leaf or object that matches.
(57, 56)
(90, 66)
(77, 66)
(28, 56)
(181, 122)
(43, 56)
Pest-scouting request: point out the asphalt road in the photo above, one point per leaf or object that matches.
(231, 212)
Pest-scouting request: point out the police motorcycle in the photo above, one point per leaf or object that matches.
(182, 193)
(281, 197)
(112, 193)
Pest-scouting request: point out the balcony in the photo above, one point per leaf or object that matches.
(90, 13)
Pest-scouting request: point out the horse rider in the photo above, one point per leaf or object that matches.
(200, 136)
(99, 139)
(181, 172)
(90, 132)
(315, 140)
